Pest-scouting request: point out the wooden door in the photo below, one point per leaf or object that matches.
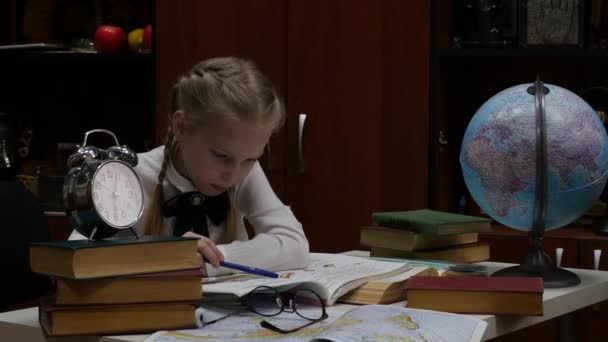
(189, 31)
(358, 70)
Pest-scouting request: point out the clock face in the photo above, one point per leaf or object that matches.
(117, 194)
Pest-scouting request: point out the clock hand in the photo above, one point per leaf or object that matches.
(105, 186)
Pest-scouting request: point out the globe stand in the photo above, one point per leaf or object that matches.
(537, 263)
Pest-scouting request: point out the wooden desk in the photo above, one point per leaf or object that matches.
(22, 325)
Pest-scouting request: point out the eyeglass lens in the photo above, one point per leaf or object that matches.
(265, 301)
(308, 305)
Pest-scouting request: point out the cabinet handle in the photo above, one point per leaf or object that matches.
(269, 161)
(558, 256)
(597, 254)
(301, 122)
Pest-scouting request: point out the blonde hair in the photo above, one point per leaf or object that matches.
(214, 90)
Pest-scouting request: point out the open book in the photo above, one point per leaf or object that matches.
(330, 275)
(387, 290)
(345, 323)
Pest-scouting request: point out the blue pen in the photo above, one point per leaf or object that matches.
(248, 269)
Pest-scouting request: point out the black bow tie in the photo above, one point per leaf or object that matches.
(191, 210)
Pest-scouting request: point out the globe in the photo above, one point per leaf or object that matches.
(498, 157)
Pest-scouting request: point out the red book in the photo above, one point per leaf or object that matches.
(477, 295)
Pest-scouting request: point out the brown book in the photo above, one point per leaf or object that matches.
(83, 259)
(174, 286)
(477, 295)
(472, 252)
(116, 319)
(407, 240)
(384, 291)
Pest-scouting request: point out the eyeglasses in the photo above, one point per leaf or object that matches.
(266, 301)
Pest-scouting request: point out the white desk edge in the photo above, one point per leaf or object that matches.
(22, 325)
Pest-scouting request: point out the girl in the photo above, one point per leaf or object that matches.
(223, 113)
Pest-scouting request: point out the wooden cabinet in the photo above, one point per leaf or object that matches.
(509, 245)
(59, 226)
(358, 70)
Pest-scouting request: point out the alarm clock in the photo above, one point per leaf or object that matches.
(102, 194)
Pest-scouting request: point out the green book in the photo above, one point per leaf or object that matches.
(84, 259)
(426, 221)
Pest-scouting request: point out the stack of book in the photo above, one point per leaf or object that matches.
(119, 286)
(427, 234)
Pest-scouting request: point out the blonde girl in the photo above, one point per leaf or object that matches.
(222, 115)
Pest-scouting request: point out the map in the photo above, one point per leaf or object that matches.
(346, 323)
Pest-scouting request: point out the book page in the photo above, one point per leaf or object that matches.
(330, 275)
(396, 323)
(405, 275)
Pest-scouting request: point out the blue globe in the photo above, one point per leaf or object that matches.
(498, 157)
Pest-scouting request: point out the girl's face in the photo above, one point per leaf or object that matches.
(219, 156)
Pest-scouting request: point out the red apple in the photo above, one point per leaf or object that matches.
(109, 38)
(147, 38)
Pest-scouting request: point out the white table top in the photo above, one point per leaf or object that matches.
(22, 325)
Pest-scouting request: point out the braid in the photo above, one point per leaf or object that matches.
(230, 224)
(155, 222)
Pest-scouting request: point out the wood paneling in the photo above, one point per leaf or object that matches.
(359, 70)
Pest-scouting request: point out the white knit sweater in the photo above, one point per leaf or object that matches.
(279, 241)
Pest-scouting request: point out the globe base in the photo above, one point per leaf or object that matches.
(538, 264)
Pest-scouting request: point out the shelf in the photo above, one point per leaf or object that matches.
(569, 232)
(523, 52)
(76, 56)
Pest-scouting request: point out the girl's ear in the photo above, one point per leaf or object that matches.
(178, 125)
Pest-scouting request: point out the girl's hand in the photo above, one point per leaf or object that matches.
(207, 249)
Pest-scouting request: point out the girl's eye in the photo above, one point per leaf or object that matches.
(219, 155)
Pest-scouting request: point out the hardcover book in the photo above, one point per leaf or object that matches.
(426, 221)
(407, 240)
(173, 286)
(83, 259)
(116, 319)
(469, 253)
(477, 295)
